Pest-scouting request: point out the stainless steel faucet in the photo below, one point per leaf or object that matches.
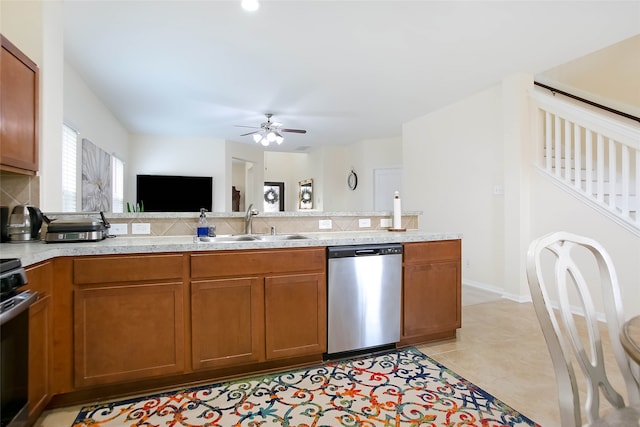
(248, 219)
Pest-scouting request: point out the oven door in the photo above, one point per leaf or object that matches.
(14, 359)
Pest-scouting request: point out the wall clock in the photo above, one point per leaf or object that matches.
(352, 180)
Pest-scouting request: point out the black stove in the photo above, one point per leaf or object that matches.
(12, 276)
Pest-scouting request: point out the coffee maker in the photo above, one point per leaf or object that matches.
(24, 224)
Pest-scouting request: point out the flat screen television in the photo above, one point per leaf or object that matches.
(169, 193)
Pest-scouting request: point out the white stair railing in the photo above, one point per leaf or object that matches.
(595, 154)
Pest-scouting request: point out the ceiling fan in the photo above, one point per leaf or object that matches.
(269, 132)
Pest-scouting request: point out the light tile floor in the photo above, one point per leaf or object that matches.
(500, 348)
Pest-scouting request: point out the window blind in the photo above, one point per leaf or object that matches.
(69, 169)
(117, 172)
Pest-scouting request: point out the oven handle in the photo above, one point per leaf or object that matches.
(17, 305)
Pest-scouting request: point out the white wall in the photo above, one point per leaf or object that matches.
(553, 209)
(364, 157)
(608, 76)
(332, 165)
(289, 168)
(177, 156)
(85, 112)
(452, 160)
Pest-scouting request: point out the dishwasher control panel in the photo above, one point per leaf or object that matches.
(364, 250)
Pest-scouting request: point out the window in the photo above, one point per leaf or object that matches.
(70, 174)
(117, 172)
(69, 169)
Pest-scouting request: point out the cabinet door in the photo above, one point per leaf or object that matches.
(431, 299)
(127, 332)
(39, 355)
(39, 279)
(19, 110)
(295, 315)
(227, 322)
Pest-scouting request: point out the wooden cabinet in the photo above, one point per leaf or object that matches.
(295, 315)
(257, 305)
(129, 318)
(431, 300)
(39, 279)
(227, 317)
(19, 82)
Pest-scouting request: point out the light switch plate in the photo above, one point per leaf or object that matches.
(385, 222)
(364, 222)
(140, 228)
(118, 229)
(324, 224)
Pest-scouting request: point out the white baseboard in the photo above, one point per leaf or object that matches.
(496, 290)
(522, 298)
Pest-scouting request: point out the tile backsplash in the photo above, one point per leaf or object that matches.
(17, 189)
(179, 225)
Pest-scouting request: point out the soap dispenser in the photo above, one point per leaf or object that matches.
(203, 227)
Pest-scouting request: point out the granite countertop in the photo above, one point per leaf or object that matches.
(34, 252)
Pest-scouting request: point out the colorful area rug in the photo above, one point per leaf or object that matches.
(399, 388)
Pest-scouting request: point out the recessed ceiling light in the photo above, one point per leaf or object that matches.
(250, 5)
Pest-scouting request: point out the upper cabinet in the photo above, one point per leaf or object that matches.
(19, 83)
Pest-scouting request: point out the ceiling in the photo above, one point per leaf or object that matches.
(344, 70)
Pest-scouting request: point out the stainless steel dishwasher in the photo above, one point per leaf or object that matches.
(364, 288)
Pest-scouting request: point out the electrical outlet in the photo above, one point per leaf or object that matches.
(118, 229)
(364, 222)
(324, 224)
(140, 228)
(385, 222)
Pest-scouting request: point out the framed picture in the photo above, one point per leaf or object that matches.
(96, 178)
(305, 194)
(274, 196)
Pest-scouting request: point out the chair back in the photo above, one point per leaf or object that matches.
(557, 328)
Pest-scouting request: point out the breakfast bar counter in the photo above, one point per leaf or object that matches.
(35, 252)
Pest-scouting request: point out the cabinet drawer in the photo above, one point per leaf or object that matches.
(445, 250)
(89, 270)
(259, 262)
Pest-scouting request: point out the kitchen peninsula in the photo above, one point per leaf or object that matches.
(139, 313)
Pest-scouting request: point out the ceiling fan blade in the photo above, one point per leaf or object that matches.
(250, 133)
(241, 126)
(293, 130)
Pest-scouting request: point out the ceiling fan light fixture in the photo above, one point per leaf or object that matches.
(279, 138)
(250, 5)
(269, 132)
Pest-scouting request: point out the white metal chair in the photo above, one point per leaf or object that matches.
(567, 275)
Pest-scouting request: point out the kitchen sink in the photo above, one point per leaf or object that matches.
(251, 238)
(278, 237)
(226, 239)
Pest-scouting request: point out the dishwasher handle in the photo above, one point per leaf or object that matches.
(350, 251)
(366, 252)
